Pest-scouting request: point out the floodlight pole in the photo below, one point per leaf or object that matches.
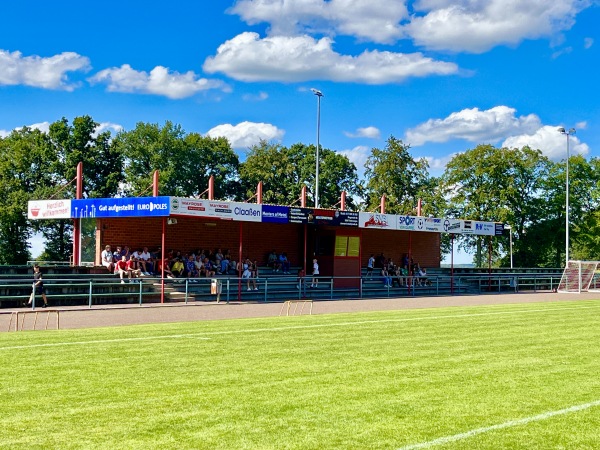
(319, 94)
(509, 228)
(568, 133)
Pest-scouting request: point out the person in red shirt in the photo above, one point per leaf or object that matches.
(121, 269)
(132, 269)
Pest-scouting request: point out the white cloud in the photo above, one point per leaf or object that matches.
(246, 134)
(247, 57)
(550, 141)
(366, 132)
(588, 42)
(456, 25)
(42, 126)
(160, 81)
(479, 25)
(438, 164)
(368, 20)
(47, 73)
(255, 97)
(473, 125)
(107, 126)
(358, 155)
(45, 127)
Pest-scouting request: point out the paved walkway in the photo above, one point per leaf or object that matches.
(116, 315)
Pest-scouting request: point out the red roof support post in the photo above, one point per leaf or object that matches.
(259, 192)
(303, 197)
(382, 204)
(419, 207)
(77, 221)
(155, 184)
(343, 201)
(211, 187)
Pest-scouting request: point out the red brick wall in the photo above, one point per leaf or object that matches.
(190, 234)
(425, 247)
(258, 239)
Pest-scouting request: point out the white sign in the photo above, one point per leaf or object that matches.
(247, 212)
(49, 209)
(377, 220)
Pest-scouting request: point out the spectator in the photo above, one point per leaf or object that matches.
(132, 268)
(108, 259)
(190, 267)
(272, 260)
(141, 262)
(387, 280)
(247, 274)
(126, 252)
(209, 269)
(117, 255)
(148, 261)
(301, 276)
(224, 269)
(38, 287)
(121, 268)
(253, 267)
(315, 273)
(159, 268)
(284, 263)
(380, 261)
(178, 268)
(370, 266)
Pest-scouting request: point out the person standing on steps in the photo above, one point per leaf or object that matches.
(315, 281)
(38, 287)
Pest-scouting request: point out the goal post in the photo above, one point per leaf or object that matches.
(578, 276)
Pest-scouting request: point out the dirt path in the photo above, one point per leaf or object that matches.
(105, 316)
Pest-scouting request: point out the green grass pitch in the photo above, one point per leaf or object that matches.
(431, 378)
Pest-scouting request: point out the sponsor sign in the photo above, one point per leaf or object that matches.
(335, 217)
(120, 207)
(300, 215)
(452, 225)
(499, 229)
(377, 220)
(247, 212)
(407, 222)
(430, 224)
(323, 217)
(49, 209)
(275, 214)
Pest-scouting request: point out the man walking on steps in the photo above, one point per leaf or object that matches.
(38, 287)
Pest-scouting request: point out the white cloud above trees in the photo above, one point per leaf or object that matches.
(159, 81)
(246, 134)
(41, 72)
(248, 57)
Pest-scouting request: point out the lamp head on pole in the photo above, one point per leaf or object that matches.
(316, 92)
(571, 131)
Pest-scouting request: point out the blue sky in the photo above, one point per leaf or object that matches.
(442, 75)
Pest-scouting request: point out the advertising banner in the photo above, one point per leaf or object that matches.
(247, 212)
(335, 217)
(407, 223)
(120, 207)
(323, 217)
(275, 214)
(430, 224)
(377, 220)
(49, 209)
(452, 225)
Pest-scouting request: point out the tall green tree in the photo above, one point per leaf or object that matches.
(284, 171)
(393, 171)
(185, 162)
(497, 185)
(24, 158)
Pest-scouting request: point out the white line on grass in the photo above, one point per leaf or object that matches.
(510, 423)
(302, 327)
(102, 341)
